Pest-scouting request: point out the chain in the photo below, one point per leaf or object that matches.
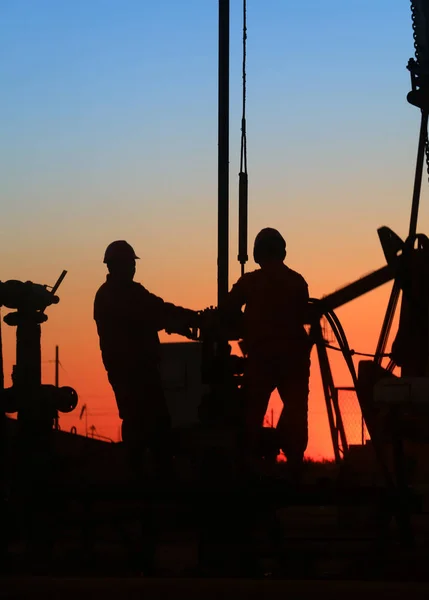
(414, 24)
(418, 61)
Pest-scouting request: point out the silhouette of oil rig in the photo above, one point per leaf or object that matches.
(50, 487)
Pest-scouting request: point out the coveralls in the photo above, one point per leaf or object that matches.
(128, 319)
(410, 349)
(278, 351)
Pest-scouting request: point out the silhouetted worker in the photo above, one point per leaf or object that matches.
(276, 344)
(128, 319)
(410, 349)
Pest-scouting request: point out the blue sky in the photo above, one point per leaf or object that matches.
(109, 118)
(109, 130)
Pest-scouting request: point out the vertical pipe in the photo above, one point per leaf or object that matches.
(243, 180)
(28, 354)
(242, 220)
(223, 153)
(419, 173)
(387, 323)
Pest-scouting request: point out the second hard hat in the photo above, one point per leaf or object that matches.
(269, 244)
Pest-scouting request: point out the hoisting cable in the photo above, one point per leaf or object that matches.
(341, 338)
(340, 334)
(242, 177)
(355, 352)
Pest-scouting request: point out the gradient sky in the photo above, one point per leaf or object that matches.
(109, 131)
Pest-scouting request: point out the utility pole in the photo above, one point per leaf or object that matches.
(84, 411)
(57, 364)
(223, 153)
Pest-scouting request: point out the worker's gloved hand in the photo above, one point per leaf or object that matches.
(209, 318)
(182, 321)
(221, 324)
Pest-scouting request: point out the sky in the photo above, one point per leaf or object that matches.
(109, 131)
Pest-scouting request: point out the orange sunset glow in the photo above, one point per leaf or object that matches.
(111, 133)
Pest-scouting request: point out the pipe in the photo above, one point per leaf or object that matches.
(242, 220)
(223, 153)
(358, 288)
(418, 174)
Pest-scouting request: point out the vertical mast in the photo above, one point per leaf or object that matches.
(223, 153)
(242, 177)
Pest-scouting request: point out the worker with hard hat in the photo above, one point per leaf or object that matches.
(128, 319)
(276, 344)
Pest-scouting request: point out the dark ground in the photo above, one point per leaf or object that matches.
(206, 589)
(287, 548)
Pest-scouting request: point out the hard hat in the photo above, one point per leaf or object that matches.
(269, 244)
(119, 251)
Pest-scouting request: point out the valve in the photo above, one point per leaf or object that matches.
(67, 399)
(26, 296)
(47, 398)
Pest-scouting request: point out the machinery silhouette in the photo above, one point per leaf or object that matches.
(32, 400)
(28, 464)
(389, 403)
(385, 399)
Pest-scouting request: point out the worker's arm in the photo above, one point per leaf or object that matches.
(168, 316)
(179, 320)
(231, 311)
(303, 305)
(236, 298)
(149, 308)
